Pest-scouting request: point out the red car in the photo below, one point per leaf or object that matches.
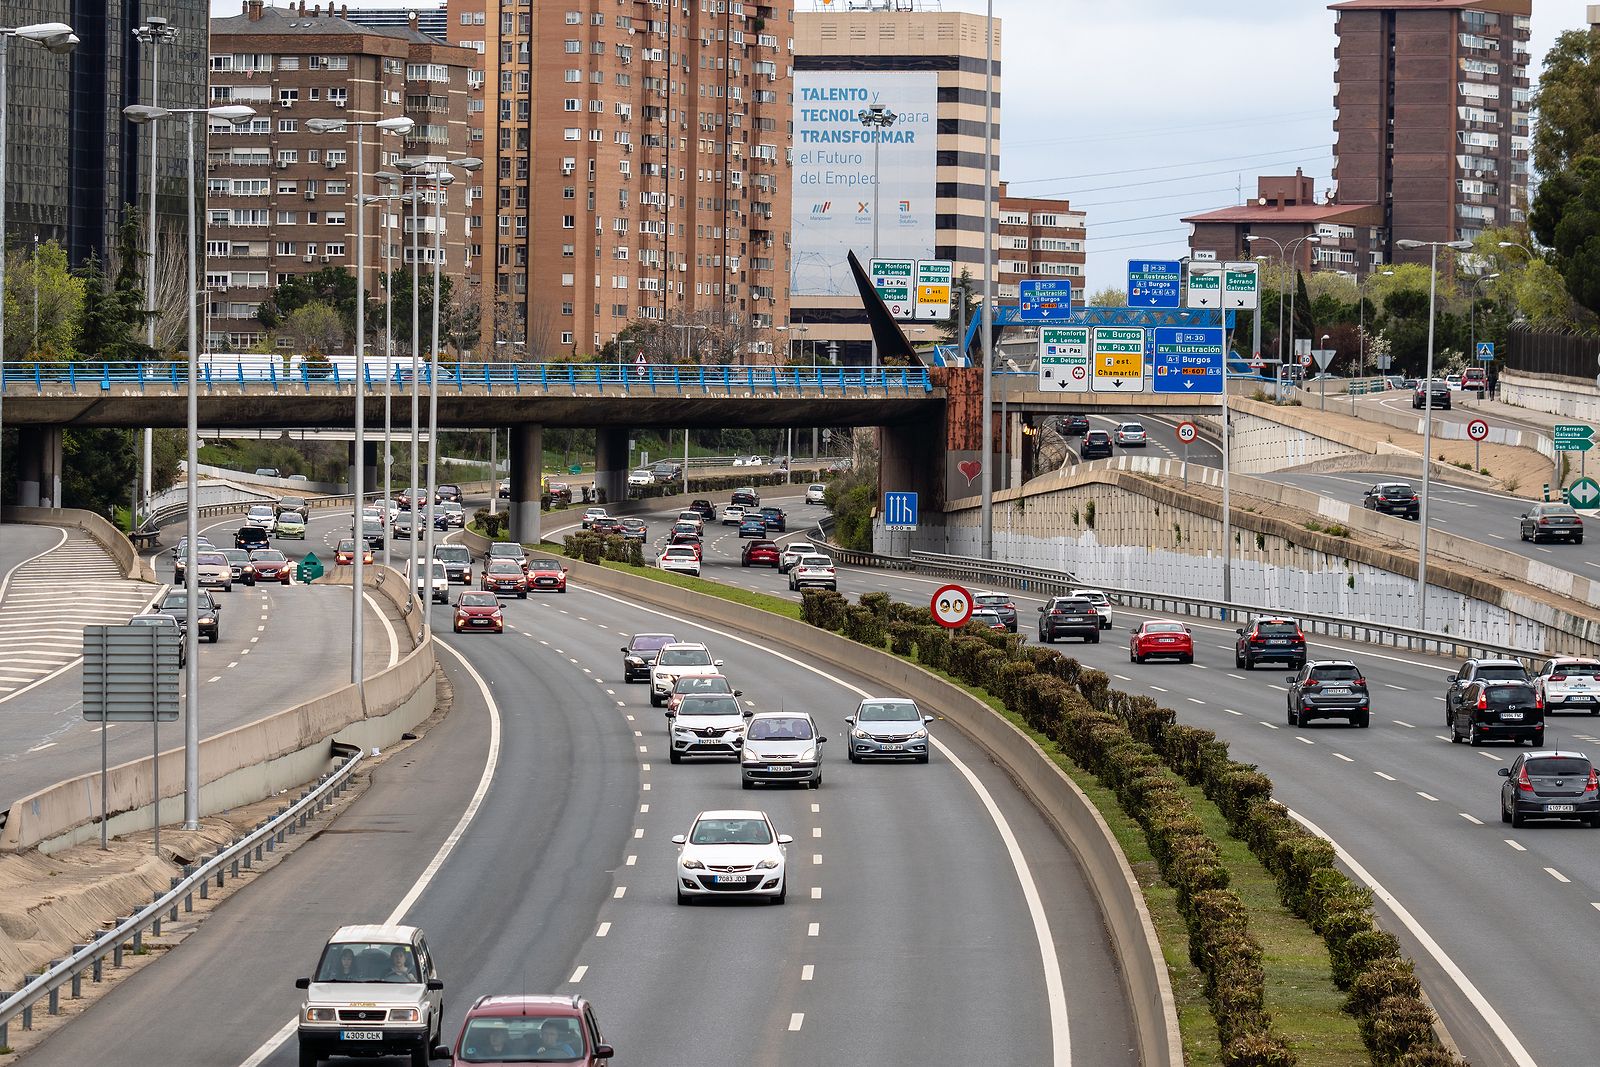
(690, 539)
(529, 1029)
(479, 611)
(271, 566)
(759, 553)
(605, 524)
(547, 574)
(1159, 637)
(505, 576)
(345, 554)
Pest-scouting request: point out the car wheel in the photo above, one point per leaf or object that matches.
(922, 758)
(745, 783)
(227, 587)
(419, 1055)
(655, 701)
(1238, 661)
(1134, 658)
(1516, 817)
(816, 783)
(1455, 735)
(522, 595)
(1473, 737)
(1186, 659)
(1578, 540)
(674, 756)
(1364, 720)
(783, 893)
(1289, 716)
(458, 629)
(683, 900)
(1505, 816)
(309, 1058)
(1249, 664)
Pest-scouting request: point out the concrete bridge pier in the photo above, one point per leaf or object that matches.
(611, 463)
(527, 466)
(372, 473)
(39, 465)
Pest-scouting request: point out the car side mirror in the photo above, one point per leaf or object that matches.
(822, 740)
(435, 984)
(850, 720)
(604, 1052)
(749, 713)
(1504, 772)
(926, 719)
(785, 839)
(1040, 608)
(1133, 629)
(440, 1052)
(1523, 515)
(738, 692)
(624, 649)
(302, 983)
(671, 714)
(716, 663)
(678, 839)
(1240, 631)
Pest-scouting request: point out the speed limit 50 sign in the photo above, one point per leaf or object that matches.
(1478, 430)
(1187, 432)
(951, 606)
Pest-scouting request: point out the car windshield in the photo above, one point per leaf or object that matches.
(632, 524)
(1396, 489)
(234, 555)
(347, 545)
(1341, 673)
(1507, 672)
(505, 566)
(992, 600)
(649, 642)
(152, 620)
(800, 548)
(544, 565)
(731, 832)
(453, 554)
(212, 559)
(988, 615)
(289, 518)
(522, 1039)
(365, 961)
(266, 555)
(1073, 605)
(684, 657)
(709, 705)
(478, 600)
(1132, 427)
(1163, 628)
(818, 487)
(1505, 694)
(1557, 509)
(1277, 629)
(753, 545)
(1096, 435)
(452, 489)
(815, 561)
(295, 502)
(680, 551)
(701, 686)
(889, 711)
(1574, 666)
(505, 548)
(785, 728)
(1557, 767)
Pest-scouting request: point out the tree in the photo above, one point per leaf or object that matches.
(60, 304)
(105, 323)
(1568, 103)
(462, 322)
(333, 286)
(963, 290)
(1566, 218)
(315, 329)
(1109, 297)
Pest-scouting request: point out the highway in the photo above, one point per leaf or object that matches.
(1419, 814)
(908, 935)
(278, 646)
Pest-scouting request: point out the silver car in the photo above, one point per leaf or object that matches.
(781, 746)
(888, 728)
(999, 603)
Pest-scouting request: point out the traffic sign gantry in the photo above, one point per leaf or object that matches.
(1573, 437)
(1117, 359)
(1188, 360)
(1478, 430)
(1584, 493)
(1044, 299)
(1205, 286)
(1154, 283)
(951, 606)
(1064, 359)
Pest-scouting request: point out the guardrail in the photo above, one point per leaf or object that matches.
(228, 861)
(621, 378)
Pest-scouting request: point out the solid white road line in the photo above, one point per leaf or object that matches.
(1496, 1024)
(394, 638)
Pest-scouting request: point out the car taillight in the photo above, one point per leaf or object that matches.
(1558, 677)
(1538, 701)
(1090, 611)
(1527, 786)
(1299, 636)
(1310, 683)
(1011, 607)
(1359, 681)
(1483, 702)
(1544, 522)
(1577, 522)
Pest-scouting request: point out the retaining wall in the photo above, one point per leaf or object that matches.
(1556, 394)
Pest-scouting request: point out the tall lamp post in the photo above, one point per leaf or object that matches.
(1291, 268)
(688, 329)
(388, 375)
(54, 37)
(141, 114)
(1427, 417)
(358, 471)
(1361, 324)
(1472, 311)
(155, 32)
(876, 118)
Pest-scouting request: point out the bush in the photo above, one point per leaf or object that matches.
(823, 608)
(491, 525)
(861, 624)
(1257, 1050)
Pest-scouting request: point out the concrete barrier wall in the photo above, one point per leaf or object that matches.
(1555, 394)
(1456, 430)
(1133, 939)
(242, 765)
(305, 487)
(113, 540)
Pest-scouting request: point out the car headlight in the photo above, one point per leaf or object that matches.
(683, 731)
(633, 661)
(809, 754)
(321, 1015)
(208, 619)
(767, 865)
(693, 865)
(919, 735)
(860, 735)
(403, 1015)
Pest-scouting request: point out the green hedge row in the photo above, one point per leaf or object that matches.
(595, 548)
(1137, 748)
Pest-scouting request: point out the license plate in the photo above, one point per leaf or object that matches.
(480, 622)
(893, 748)
(361, 1035)
(1511, 716)
(1558, 807)
(1337, 692)
(776, 768)
(1278, 641)
(730, 879)
(1166, 640)
(1579, 698)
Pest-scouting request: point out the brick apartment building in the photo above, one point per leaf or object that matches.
(1432, 127)
(641, 172)
(1040, 237)
(280, 199)
(1286, 210)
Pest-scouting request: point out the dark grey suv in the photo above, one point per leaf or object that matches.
(1000, 604)
(1496, 711)
(1329, 689)
(1067, 616)
(1550, 784)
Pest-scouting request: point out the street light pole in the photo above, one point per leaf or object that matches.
(155, 32)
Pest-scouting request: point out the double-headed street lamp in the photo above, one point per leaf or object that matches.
(876, 118)
(141, 114)
(1291, 269)
(1427, 418)
(155, 32)
(54, 37)
(400, 125)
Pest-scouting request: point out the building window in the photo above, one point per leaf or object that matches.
(568, 222)
(566, 337)
(572, 48)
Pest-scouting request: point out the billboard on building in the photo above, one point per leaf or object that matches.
(834, 195)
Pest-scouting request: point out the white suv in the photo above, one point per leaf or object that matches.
(791, 554)
(1569, 683)
(434, 586)
(1101, 602)
(376, 992)
(680, 659)
(732, 514)
(813, 571)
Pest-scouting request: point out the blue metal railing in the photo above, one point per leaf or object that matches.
(266, 374)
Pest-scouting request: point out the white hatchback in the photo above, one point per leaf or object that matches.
(1130, 435)
(1568, 683)
(261, 515)
(732, 854)
(816, 493)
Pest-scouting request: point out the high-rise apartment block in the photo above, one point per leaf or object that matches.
(1433, 100)
(641, 171)
(1040, 237)
(280, 198)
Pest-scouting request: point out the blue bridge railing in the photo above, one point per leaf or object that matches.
(266, 374)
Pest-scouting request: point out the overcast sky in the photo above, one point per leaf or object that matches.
(1143, 111)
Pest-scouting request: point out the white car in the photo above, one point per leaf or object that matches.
(732, 853)
(455, 516)
(680, 659)
(1129, 435)
(374, 514)
(262, 515)
(732, 514)
(705, 724)
(680, 558)
(1453, 381)
(791, 554)
(781, 747)
(695, 517)
(1568, 683)
(1101, 602)
(432, 583)
(591, 514)
(383, 976)
(642, 476)
(816, 493)
(813, 571)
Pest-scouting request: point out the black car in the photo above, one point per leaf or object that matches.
(1329, 689)
(1497, 711)
(1096, 445)
(1549, 521)
(1392, 498)
(158, 618)
(776, 519)
(639, 655)
(457, 560)
(447, 492)
(1067, 616)
(1440, 395)
(251, 538)
(1270, 638)
(1481, 670)
(1550, 784)
(746, 498)
(704, 509)
(176, 604)
(1074, 425)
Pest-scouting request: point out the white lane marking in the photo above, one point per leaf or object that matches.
(1491, 755)
(1385, 777)
(813, 929)
(1122, 677)
(1557, 875)
(816, 894)
(1513, 1047)
(638, 833)
(808, 972)
(816, 859)
(1427, 796)
(1514, 845)
(435, 865)
(1341, 755)
(644, 767)
(605, 928)
(796, 1019)
(1230, 711)
(1193, 700)
(816, 831)
(214, 678)
(1396, 688)
(577, 975)
(645, 786)
(630, 861)
(815, 808)
(1472, 819)
(1402, 722)
(644, 809)
(41, 748)
(621, 891)
(1270, 726)
(1158, 689)
(1055, 986)
(394, 638)
(1304, 740)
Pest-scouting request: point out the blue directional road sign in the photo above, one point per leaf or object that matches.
(900, 511)
(1485, 351)
(1188, 359)
(1155, 283)
(1044, 300)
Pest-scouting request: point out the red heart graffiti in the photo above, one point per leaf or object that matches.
(970, 469)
